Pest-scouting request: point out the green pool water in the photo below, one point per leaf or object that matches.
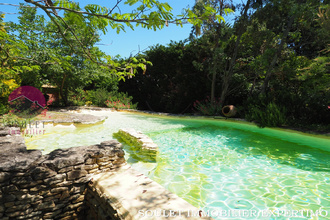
(220, 165)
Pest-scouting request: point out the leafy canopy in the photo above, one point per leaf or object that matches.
(149, 14)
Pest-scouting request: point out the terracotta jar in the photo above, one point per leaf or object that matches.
(229, 111)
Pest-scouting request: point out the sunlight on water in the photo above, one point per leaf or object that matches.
(64, 136)
(213, 166)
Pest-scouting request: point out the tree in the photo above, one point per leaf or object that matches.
(58, 61)
(228, 73)
(297, 93)
(10, 65)
(165, 86)
(70, 24)
(324, 22)
(150, 14)
(295, 28)
(223, 61)
(213, 26)
(292, 45)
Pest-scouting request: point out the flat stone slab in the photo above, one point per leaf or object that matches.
(66, 117)
(136, 196)
(137, 137)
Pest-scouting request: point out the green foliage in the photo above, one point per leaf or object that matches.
(62, 52)
(78, 97)
(12, 120)
(298, 90)
(149, 14)
(4, 109)
(102, 98)
(88, 103)
(270, 115)
(9, 79)
(316, 75)
(98, 97)
(165, 86)
(235, 59)
(211, 13)
(207, 107)
(313, 92)
(120, 101)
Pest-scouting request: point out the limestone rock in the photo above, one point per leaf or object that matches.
(14, 156)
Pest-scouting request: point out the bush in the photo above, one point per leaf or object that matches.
(98, 97)
(270, 115)
(120, 101)
(102, 98)
(3, 109)
(12, 120)
(207, 107)
(78, 98)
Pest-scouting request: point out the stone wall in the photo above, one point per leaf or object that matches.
(99, 206)
(52, 186)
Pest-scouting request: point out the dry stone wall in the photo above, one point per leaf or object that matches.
(52, 186)
(99, 207)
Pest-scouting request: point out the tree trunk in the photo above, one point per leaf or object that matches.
(225, 86)
(278, 53)
(215, 57)
(64, 98)
(229, 73)
(214, 78)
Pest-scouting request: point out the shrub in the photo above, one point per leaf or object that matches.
(120, 101)
(98, 97)
(3, 109)
(12, 120)
(207, 107)
(78, 98)
(270, 115)
(102, 98)
(88, 103)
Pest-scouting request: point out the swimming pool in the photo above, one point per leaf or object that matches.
(219, 165)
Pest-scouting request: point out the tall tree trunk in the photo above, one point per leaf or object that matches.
(214, 78)
(229, 73)
(64, 98)
(215, 57)
(277, 54)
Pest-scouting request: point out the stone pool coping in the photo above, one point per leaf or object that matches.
(69, 117)
(240, 120)
(196, 116)
(94, 108)
(135, 196)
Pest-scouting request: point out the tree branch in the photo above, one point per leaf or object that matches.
(277, 54)
(34, 61)
(107, 16)
(114, 7)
